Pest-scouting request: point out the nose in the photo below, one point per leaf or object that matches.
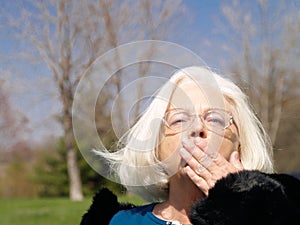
(198, 129)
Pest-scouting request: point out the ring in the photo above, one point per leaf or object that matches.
(205, 161)
(212, 154)
(200, 168)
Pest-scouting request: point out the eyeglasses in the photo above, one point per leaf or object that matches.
(216, 120)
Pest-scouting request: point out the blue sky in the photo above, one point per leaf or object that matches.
(197, 31)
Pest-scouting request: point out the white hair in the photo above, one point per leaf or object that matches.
(136, 161)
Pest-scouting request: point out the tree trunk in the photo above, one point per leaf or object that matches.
(277, 110)
(74, 176)
(75, 185)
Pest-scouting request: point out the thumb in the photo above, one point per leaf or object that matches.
(235, 160)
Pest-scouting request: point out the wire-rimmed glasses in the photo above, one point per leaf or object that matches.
(216, 120)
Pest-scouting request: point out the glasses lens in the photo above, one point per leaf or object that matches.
(217, 120)
(177, 120)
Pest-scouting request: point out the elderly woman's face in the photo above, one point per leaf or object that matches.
(188, 97)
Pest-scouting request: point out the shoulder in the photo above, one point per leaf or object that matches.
(105, 204)
(137, 215)
(290, 184)
(256, 197)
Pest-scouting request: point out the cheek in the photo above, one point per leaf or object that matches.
(167, 146)
(226, 149)
(230, 143)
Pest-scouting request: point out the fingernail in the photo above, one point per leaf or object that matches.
(200, 142)
(185, 154)
(184, 140)
(187, 143)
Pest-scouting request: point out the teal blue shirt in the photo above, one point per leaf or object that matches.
(141, 215)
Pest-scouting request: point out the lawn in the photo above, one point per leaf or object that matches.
(50, 211)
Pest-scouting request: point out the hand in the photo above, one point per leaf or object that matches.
(204, 168)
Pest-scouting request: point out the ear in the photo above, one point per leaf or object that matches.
(235, 160)
(238, 148)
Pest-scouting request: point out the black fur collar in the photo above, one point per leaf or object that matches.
(244, 198)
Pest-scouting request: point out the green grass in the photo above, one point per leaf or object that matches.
(49, 211)
(42, 211)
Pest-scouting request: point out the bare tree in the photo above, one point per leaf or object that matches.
(12, 122)
(70, 34)
(263, 62)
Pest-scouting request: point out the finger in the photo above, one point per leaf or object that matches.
(198, 168)
(194, 163)
(200, 156)
(197, 180)
(236, 161)
(216, 166)
(200, 142)
(220, 166)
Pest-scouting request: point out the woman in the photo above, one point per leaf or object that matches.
(198, 129)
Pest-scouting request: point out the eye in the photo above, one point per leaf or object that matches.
(177, 119)
(215, 119)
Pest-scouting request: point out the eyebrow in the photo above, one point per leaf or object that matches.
(178, 109)
(189, 110)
